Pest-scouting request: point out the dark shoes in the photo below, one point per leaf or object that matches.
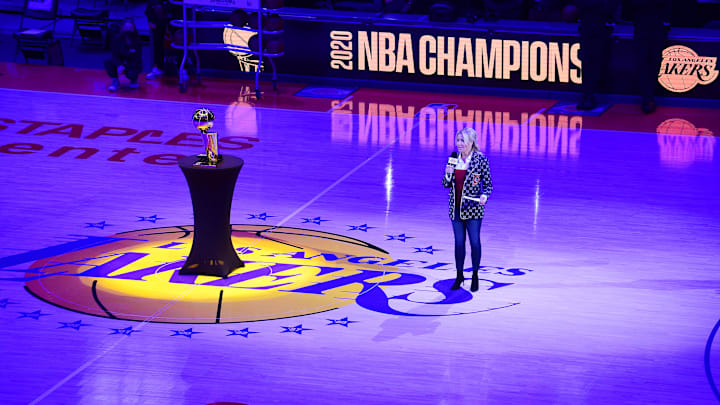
(458, 282)
(648, 106)
(114, 85)
(587, 102)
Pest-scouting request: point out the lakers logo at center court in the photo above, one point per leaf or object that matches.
(286, 274)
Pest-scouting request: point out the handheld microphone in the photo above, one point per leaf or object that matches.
(452, 160)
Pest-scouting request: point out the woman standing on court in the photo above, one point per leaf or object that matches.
(470, 186)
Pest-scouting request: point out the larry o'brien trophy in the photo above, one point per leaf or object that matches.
(203, 119)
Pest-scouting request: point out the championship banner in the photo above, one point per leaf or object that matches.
(452, 56)
(470, 56)
(431, 55)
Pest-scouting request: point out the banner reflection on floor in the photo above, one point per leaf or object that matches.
(523, 134)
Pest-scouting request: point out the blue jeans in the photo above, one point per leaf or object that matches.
(471, 227)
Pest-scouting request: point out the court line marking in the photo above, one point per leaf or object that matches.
(538, 112)
(708, 371)
(340, 104)
(97, 300)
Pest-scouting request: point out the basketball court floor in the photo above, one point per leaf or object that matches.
(599, 270)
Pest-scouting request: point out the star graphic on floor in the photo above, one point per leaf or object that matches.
(297, 329)
(99, 225)
(402, 237)
(316, 220)
(152, 218)
(187, 333)
(240, 332)
(263, 217)
(125, 331)
(34, 315)
(5, 302)
(344, 322)
(428, 249)
(363, 227)
(74, 325)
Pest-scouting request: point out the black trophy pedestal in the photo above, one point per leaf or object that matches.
(211, 190)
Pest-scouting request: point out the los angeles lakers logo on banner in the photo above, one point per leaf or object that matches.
(682, 69)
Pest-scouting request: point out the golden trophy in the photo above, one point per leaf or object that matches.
(203, 119)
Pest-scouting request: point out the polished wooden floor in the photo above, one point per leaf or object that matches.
(600, 250)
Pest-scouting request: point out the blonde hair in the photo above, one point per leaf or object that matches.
(469, 135)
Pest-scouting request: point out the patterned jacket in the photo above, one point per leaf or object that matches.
(477, 182)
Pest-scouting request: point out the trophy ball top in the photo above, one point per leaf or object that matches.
(203, 119)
